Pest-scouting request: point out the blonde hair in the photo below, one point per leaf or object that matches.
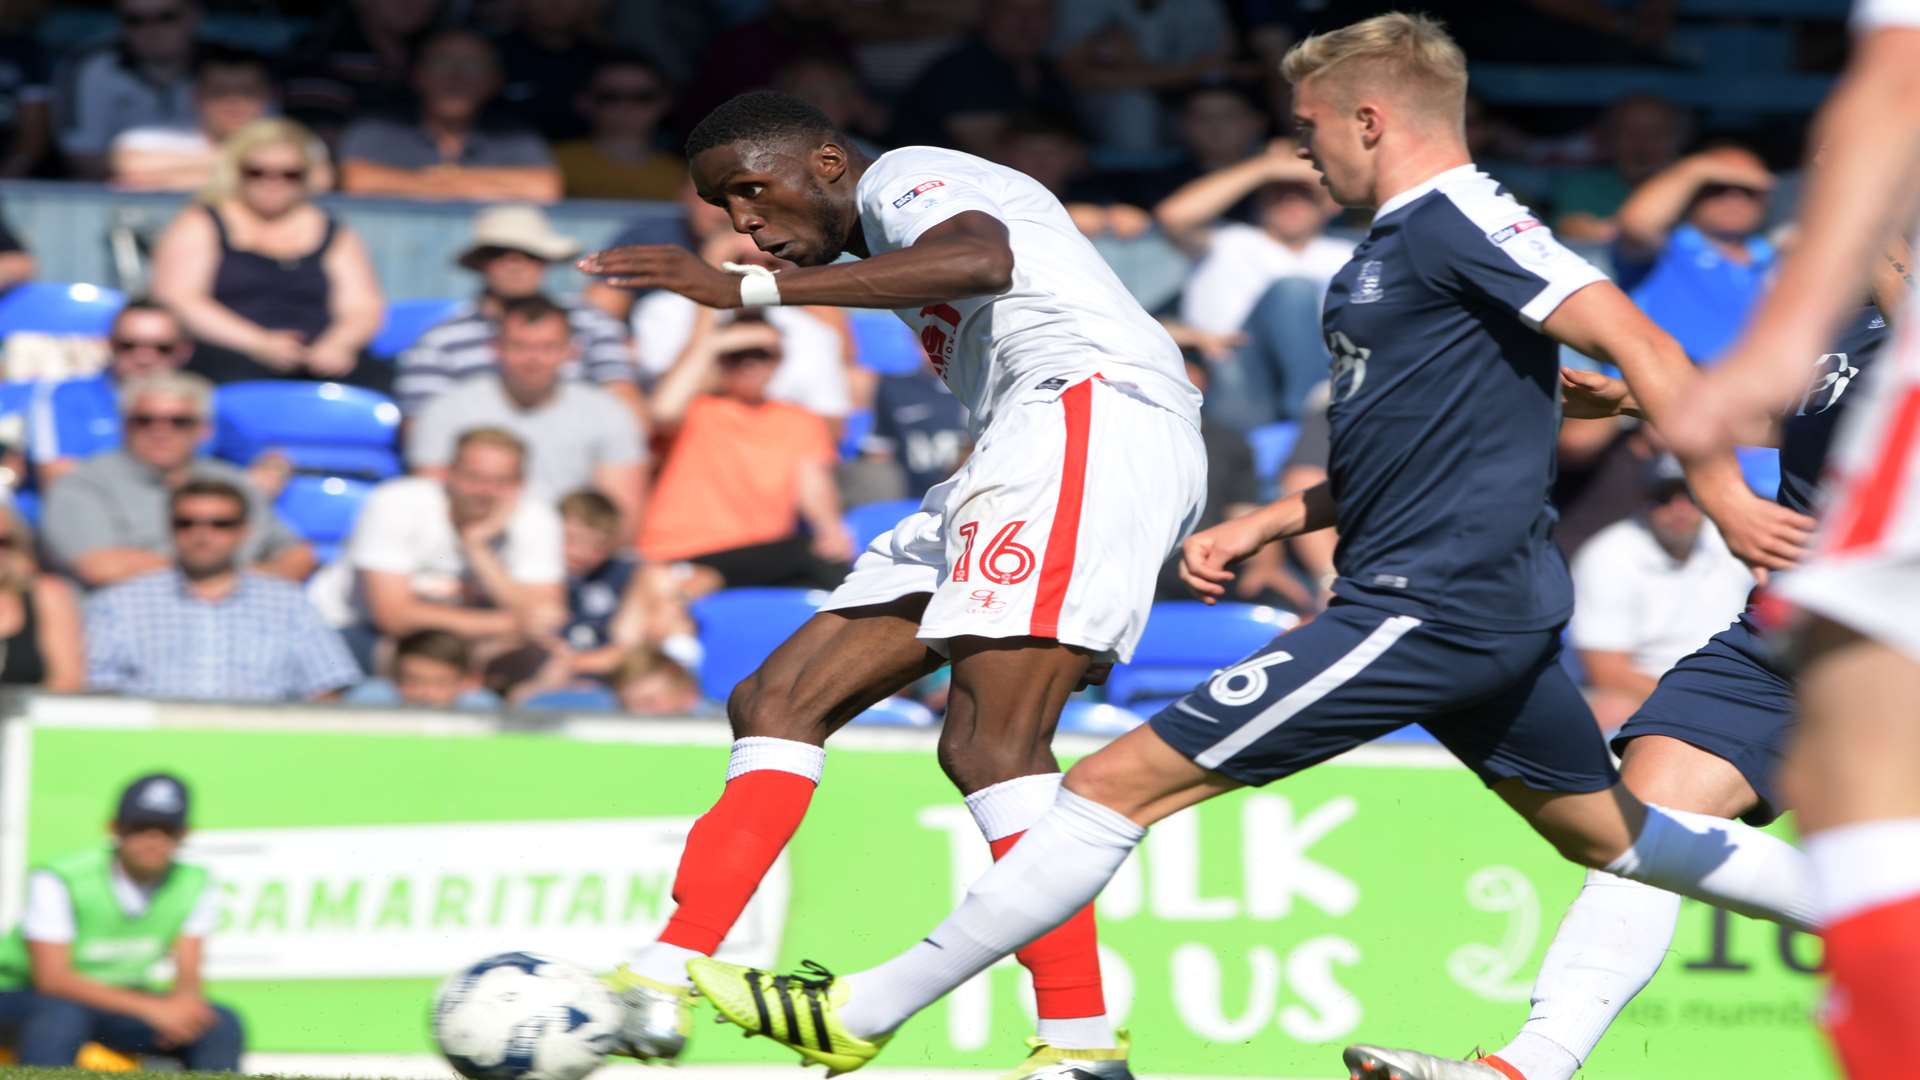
(267, 131)
(647, 659)
(184, 385)
(497, 437)
(1412, 54)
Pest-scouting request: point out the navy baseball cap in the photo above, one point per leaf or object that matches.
(155, 800)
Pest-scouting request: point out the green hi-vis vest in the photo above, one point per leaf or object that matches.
(108, 944)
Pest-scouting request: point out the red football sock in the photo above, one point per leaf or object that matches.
(1874, 1013)
(1064, 962)
(1492, 1061)
(729, 850)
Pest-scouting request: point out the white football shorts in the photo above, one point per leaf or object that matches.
(1056, 527)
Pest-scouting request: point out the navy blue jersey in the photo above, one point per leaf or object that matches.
(1445, 408)
(593, 599)
(1805, 436)
(922, 425)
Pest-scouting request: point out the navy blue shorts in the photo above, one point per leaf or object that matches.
(1728, 700)
(1500, 702)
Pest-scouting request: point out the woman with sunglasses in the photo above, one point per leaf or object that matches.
(621, 158)
(39, 617)
(270, 285)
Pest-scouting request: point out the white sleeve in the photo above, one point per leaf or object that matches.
(49, 914)
(1605, 614)
(662, 323)
(205, 915)
(535, 555)
(1870, 15)
(379, 540)
(913, 193)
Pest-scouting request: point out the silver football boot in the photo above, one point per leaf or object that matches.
(1380, 1063)
(655, 1017)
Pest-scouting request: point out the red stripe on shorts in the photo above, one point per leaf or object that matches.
(1056, 566)
(1871, 505)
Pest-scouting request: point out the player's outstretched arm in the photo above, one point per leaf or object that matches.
(1865, 187)
(966, 255)
(1599, 321)
(1207, 557)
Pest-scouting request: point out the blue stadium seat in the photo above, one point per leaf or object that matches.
(574, 699)
(322, 509)
(1093, 718)
(898, 712)
(321, 427)
(1761, 466)
(406, 321)
(49, 307)
(740, 627)
(859, 425)
(884, 344)
(1185, 643)
(869, 521)
(1271, 445)
(27, 503)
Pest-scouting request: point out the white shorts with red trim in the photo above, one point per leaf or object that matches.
(1865, 570)
(1056, 527)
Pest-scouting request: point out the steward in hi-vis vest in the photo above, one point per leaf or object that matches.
(108, 949)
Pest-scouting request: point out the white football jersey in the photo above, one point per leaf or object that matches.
(1064, 318)
(1874, 14)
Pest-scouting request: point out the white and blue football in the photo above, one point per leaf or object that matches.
(524, 1016)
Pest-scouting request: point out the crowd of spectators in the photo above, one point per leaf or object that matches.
(575, 470)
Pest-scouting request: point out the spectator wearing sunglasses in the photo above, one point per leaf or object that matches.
(206, 627)
(1690, 251)
(141, 77)
(621, 158)
(39, 617)
(106, 521)
(743, 473)
(73, 419)
(269, 284)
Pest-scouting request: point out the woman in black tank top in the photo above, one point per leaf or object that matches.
(270, 285)
(39, 618)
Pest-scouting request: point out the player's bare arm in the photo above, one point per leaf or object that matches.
(1600, 321)
(1594, 395)
(1207, 556)
(1863, 189)
(966, 255)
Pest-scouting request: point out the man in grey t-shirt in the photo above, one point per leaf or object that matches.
(107, 521)
(577, 435)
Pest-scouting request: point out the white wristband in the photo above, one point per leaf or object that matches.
(757, 287)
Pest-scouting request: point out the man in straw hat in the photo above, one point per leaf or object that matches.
(511, 249)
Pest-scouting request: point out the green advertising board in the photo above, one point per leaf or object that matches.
(1386, 897)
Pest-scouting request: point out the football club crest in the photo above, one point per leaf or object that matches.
(1366, 285)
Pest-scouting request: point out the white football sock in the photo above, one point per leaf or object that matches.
(1013, 806)
(1725, 863)
(664, 963)
(1003, 810)
(1865, 865)
(1607, 948)
(782, 755)
(1062, 863)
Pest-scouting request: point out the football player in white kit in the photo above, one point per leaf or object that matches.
(1032, 569)
(1856, 767)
